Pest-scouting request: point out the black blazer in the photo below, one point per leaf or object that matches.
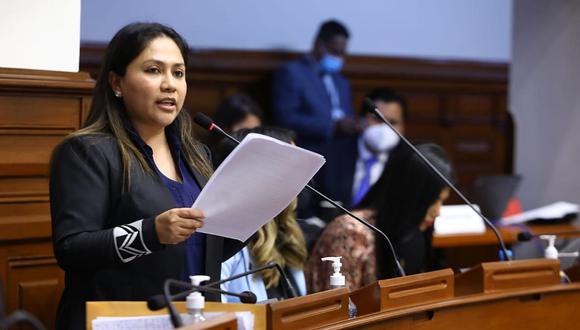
(104, 238)
(336, 177)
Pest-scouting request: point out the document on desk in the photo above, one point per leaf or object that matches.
(253, 184)
(458, 219)
(556, 210)
(245, 321)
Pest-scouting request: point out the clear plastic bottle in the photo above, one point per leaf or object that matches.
(195, 301)
(337, 280)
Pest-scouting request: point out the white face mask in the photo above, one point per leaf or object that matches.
(379, 138)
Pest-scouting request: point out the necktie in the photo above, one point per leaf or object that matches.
(365, 183)
(337, 112)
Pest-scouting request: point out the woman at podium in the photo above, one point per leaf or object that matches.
(403, 204)
(121, 188)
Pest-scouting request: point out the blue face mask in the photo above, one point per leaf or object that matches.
(331, 64)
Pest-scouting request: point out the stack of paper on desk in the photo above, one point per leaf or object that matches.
(554, 211)
(458, 219)
(253, 184)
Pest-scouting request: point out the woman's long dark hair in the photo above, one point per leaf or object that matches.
(108, 113)
(401, 198)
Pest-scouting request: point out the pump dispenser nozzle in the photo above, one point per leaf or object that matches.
(196, 301)
(550, 252)
(336, 279)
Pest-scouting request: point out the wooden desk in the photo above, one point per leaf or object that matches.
(468, 249)
(550, 307)
(508, 233)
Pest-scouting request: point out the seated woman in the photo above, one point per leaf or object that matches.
(238, 111)
(280, 241)
(403, 204)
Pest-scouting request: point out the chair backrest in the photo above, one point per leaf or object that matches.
(493, 192)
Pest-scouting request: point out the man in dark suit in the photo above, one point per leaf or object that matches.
(311, 97)
(348, 175)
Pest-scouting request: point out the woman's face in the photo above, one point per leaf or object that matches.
(434, 210)
(154, 87)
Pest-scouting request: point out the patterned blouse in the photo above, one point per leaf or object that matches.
(352, 240)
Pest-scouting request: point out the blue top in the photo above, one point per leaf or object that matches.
(184, 194)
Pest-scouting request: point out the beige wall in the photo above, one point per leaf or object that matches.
(545, 99)
(40, 34)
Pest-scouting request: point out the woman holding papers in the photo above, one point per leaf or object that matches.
(403, 204)
(280, 241)
(121, 188)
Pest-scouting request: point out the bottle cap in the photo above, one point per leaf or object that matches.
(336, 279)
(196, 300)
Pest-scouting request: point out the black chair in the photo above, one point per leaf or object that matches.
(493, 192)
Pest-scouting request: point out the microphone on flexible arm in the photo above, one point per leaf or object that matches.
(158, 301)
(208, 124)
(369, 103)
(527, 236)
(165, 300)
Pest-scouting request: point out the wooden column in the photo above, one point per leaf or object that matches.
(37, 109)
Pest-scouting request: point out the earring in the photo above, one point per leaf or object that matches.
(118, 93)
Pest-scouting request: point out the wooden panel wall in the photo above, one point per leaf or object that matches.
(460, 105)
(37, 109)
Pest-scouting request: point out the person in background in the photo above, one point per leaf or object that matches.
(238, 111)
(122, 187)
(347, 176)
(403, 204)
(280, 241)
(234, 113)
(311, 96)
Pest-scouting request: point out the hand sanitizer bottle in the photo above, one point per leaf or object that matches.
(196, 301)
(337, 280)
(550, 252)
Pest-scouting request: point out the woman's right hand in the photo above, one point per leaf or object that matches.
(176, 225)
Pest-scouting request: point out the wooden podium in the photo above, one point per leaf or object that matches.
(227, 321)
(491, 277)
(404, 291)
(309, 311)
(139, 308)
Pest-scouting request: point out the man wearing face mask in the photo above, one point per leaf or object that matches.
(311, 97)
(348, 176)
(377, 140)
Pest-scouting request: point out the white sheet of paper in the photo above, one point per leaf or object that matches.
(553, 211)
(253, 185)
(458, 219)
(156, 322)
(161, 322)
